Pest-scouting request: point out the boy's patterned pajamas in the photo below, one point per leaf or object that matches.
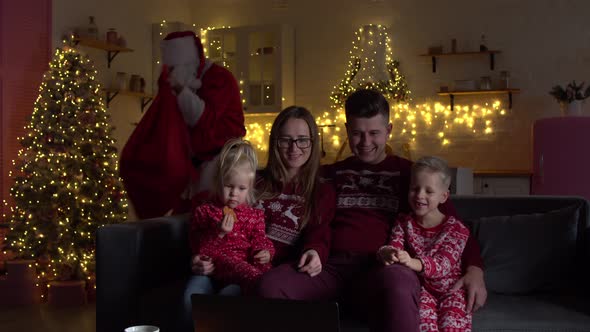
(440, 249)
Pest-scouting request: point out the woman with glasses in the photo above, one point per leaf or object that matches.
(297, 206)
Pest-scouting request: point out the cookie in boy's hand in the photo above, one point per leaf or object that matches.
(227, 210)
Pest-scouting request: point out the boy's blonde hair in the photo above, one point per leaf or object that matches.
(436, 165)
(236, 153)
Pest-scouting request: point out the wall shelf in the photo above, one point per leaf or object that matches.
(503, 173)
(144, 97)
(452, 94)
(112, 49)
(491, 54)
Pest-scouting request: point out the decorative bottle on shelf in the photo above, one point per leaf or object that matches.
(482, 44)
(92, 28)
(504, 79)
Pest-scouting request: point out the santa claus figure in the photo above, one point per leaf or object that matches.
(170, 156)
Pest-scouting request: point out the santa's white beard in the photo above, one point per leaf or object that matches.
(183, 74)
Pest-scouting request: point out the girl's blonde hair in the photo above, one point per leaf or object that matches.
(236, 153)
(275, 172)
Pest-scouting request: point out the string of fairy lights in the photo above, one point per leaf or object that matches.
(66, 181)
(410, 120)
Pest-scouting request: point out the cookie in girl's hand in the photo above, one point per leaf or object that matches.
(227, 210)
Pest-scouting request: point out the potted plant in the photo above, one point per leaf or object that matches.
(570, 98)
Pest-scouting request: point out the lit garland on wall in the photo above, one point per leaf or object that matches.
(66, 174)
(424, 119)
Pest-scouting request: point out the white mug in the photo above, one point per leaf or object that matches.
(143, 328)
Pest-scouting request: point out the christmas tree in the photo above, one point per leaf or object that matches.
(371, 67)
(66, 181)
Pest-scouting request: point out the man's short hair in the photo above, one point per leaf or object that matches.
(434, 165)
(366, 103)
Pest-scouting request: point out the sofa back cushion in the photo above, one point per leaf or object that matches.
(528, 252)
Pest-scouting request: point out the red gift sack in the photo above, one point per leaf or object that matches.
(156, 163)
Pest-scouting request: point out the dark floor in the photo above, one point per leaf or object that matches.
(45, 318)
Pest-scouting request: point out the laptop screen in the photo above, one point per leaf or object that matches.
(214, 313)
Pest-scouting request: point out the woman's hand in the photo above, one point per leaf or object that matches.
(202, 265)
(262, 257)
(310, 263)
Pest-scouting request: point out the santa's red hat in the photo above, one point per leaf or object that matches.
(181, 48)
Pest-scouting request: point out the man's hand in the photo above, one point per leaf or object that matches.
(202, 265)
(475, 287)
(310, 263)
(226, 225)
(262, 257)
(386, 255)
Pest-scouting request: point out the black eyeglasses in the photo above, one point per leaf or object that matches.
(302, 143)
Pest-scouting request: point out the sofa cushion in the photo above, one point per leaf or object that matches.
(526, 253)
(533, 313)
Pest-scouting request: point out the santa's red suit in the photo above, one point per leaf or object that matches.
(171, 153)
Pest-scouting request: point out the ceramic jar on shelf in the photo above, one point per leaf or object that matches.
(121, 81)
(112, 37)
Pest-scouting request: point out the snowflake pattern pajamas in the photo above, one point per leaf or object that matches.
(440, 249)
(233, 253)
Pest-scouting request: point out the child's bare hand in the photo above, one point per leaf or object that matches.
(262, 257)
(403, 257)
(227, 224)
(386, 255)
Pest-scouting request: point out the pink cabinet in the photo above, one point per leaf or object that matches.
(561, 156)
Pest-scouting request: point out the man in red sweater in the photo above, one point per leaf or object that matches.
(371, 189)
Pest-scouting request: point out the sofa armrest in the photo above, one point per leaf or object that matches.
(132, 258)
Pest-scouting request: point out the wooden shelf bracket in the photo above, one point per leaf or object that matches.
(112, 94)
(144, 102)
(110, 56)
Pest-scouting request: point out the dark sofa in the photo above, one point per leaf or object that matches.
(536, 250)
